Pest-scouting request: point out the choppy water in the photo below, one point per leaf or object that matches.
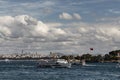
(27, 70)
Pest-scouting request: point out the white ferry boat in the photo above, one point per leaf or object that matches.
(54, 63)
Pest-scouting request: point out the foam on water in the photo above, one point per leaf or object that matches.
(89, 65)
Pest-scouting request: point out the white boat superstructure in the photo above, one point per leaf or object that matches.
(83, 63)
(6, 60)
(54, 63)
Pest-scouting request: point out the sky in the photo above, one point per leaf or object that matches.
(65, 26)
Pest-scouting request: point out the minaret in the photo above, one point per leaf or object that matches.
(22, 51)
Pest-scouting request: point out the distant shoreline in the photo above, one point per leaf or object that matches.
(37, 59)
(21, 59)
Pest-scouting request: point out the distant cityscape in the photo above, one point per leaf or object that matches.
(19, 56)
(29, 55)
(113, 56)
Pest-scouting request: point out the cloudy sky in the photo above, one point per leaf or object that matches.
(66, 26)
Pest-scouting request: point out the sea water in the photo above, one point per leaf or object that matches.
(27, 70)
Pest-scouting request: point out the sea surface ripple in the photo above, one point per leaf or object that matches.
(27, 70)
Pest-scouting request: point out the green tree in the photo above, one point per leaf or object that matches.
(64, 57)
(78, 57)
(107, 57)
(87, 57)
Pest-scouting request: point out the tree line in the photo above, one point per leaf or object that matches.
(110, 57)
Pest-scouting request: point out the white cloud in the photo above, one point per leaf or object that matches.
(25, 32)
(4, 31)
(114, 11)
(87, 2)
(76, 16)
(58, 31)
(24, 25)
(41, 4)
(54, 24)
(96, 35)
(68, 16)
(65, 16)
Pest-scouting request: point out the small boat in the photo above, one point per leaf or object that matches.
(118, 57)
(83, 63)
(6, 60)
(118, 64)
(54, 63)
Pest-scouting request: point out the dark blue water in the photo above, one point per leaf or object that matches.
(27, 70)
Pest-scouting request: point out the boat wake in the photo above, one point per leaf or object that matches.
(89, 65)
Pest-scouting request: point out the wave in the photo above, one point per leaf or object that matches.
(90, 65)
